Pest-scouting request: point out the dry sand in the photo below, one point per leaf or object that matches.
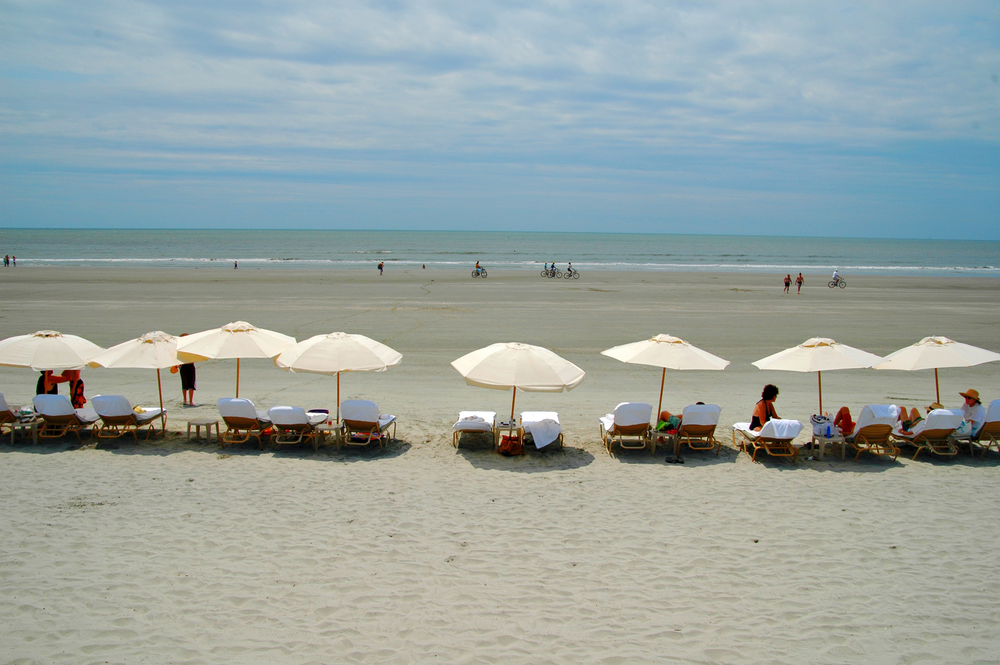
(166, 552)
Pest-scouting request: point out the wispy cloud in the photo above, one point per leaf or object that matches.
(653, 101)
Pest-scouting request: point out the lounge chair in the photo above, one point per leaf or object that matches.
(119, 418)
(989, 434)
(293, 424)
(774, 438)
(873, 431)
(933, 433)
(475, 422)
(697, 430)
(60, 418)
(543, 426)
(243, 420)
(363, 424)
(7, 416)
(629, 427)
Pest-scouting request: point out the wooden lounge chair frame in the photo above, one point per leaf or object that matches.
(7, 419)
(696, 437)
(285, 435)
(494, 432)
(773, 447)
(640, 433)
(113, 427)
(875, 439)
(988, 437)
(289, 434)
(370, 431)
(241, 430)
(56, 427)
(936, 441)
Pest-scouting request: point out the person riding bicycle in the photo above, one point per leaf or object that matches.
(569, 267)
(479, 268)
(836, 275)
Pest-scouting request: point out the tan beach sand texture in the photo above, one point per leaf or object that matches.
(166, 551)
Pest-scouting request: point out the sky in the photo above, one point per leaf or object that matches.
(861, 119)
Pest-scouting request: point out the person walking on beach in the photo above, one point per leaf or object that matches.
(788, 282)
(6, 260)
(798, 283)
(14, 259)
(381, 267)
(236, 265)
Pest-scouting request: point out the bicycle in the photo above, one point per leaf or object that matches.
(479, 272)
(840, 281)
(572, 273)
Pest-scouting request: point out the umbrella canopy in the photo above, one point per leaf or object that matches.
(818, 354)
(234, 340)
(667, 352)
(934, 353)
(512, 365)
(154, 350)
(338, 352)
(47, 349)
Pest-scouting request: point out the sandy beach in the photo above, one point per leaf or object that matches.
(167, 551)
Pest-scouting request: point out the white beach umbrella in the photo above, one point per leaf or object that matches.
(47, 349)
(338, 352)
(934, 353)
(818, 354)
(512, 365)
(154, 350)
(666, 352)
(234, 340)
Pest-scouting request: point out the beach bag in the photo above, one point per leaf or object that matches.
(510, 446)
(820, 425)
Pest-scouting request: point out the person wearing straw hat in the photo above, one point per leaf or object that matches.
(973, 410)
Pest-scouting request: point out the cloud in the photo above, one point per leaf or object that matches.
(742, 97)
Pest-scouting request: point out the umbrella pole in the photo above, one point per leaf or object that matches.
(659, 408)
(338, 398)
(163, 414)
(937, 388)
(513, 398)
(237, 377)
(819, 382)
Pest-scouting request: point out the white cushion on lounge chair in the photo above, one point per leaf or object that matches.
(294, 415)
(936, 419)
(3, 404)
(59, 405)
(876, 414)
(627, 414)
(543, 426)
(701, 414)
(366, 411)
(992, 412)
(110, 406)
(239, 407)
(475, 421)
(775, 428)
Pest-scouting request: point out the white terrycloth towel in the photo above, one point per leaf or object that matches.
(876, 414)
(782, 430)
(239, 407)
(3, 404)
(475, 421)
(993, 412)
(59, 405)
(701, 414)
(294, 415)
(936, 419)
(111, 406)
(365, 411)
(542, 425)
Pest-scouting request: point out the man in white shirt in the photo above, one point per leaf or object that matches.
(973, 410)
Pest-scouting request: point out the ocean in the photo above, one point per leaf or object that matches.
(497, 251)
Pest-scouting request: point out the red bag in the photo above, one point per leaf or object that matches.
(510, 446)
